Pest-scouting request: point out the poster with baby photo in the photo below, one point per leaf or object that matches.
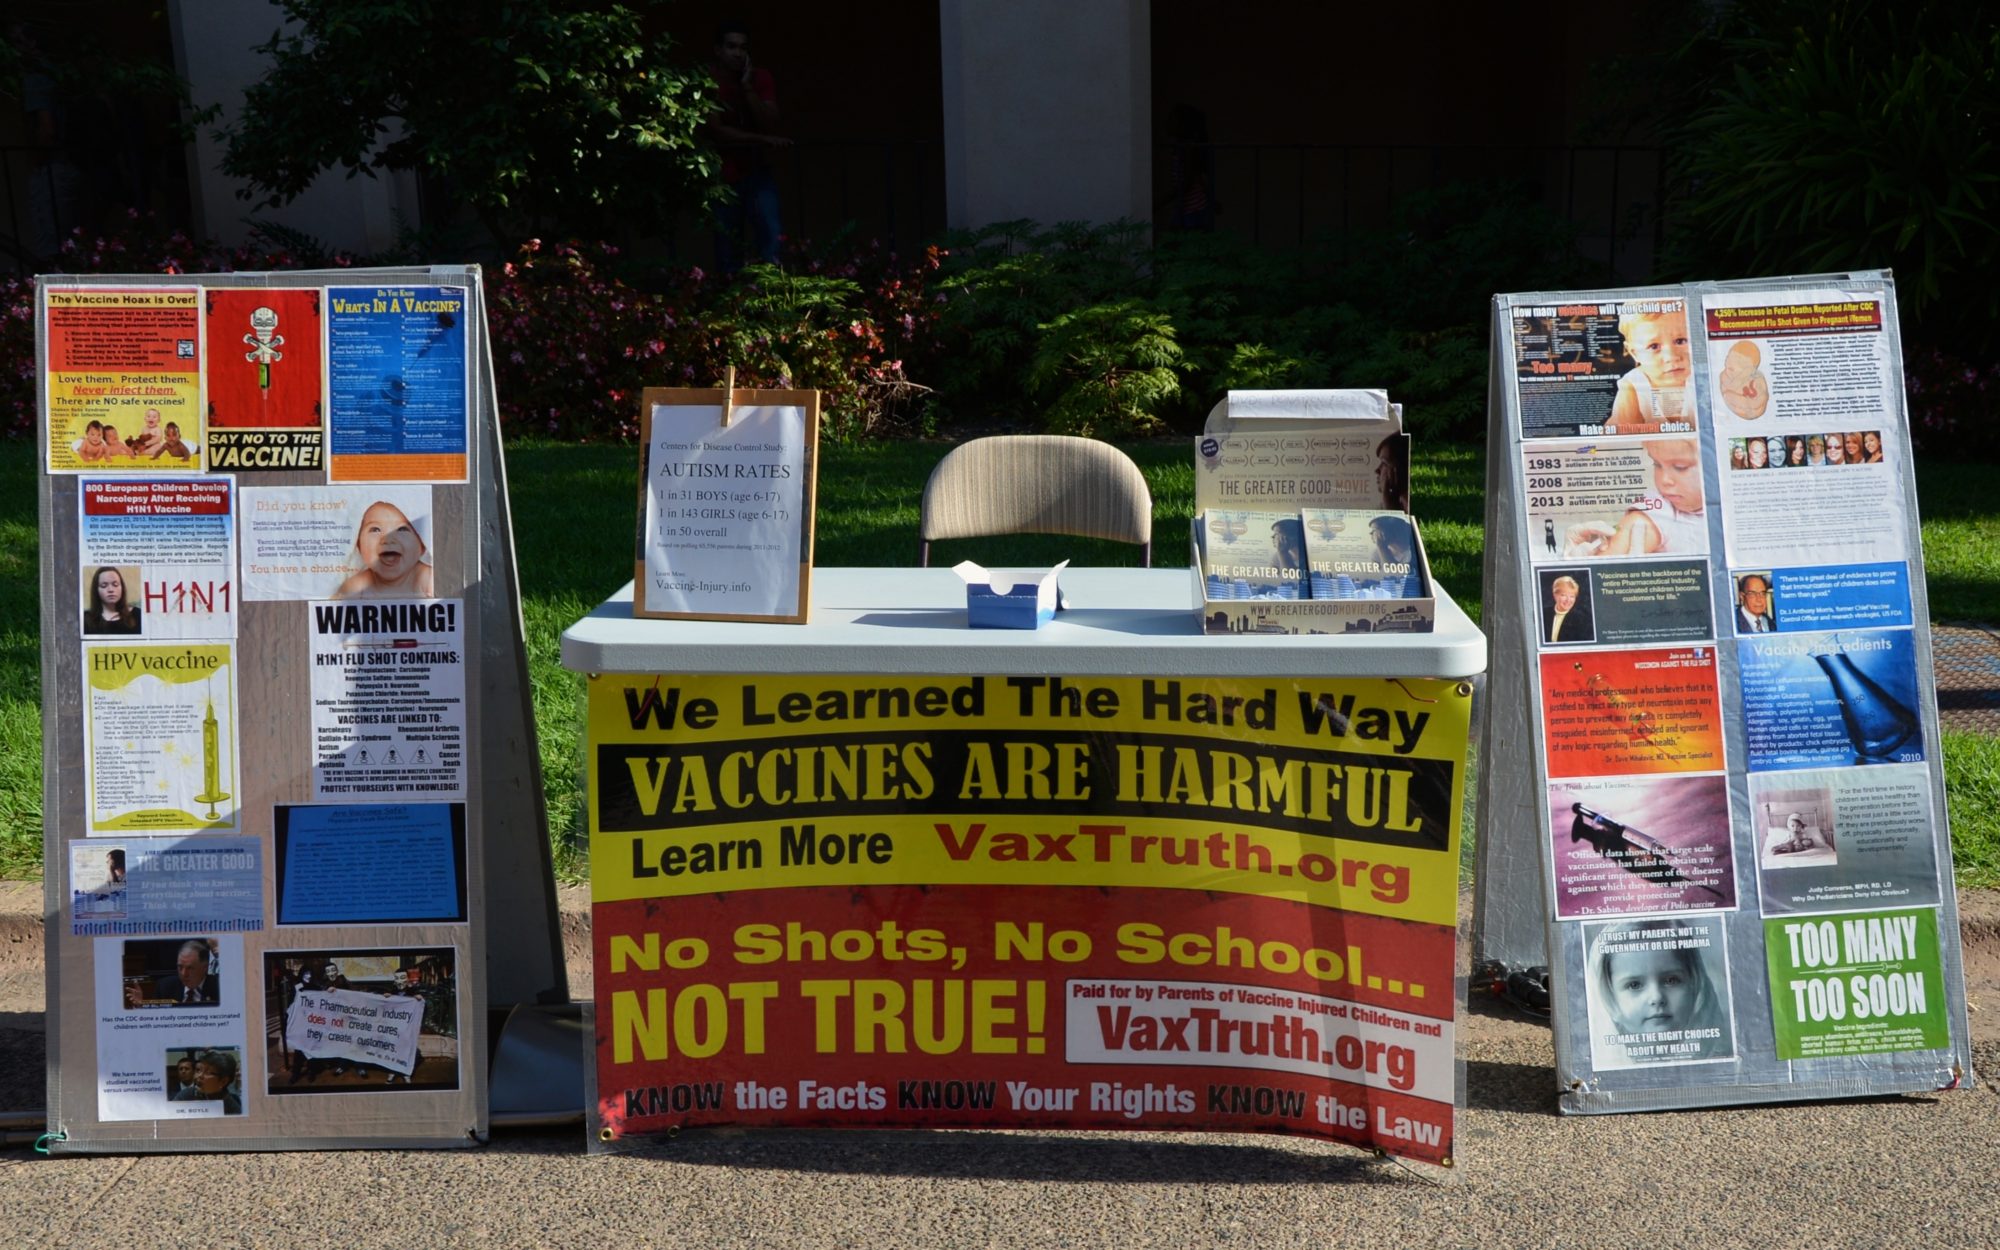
(1842, 838)
(1657, 992)
(1808, 417)
(121, 379)
(338, 542)
(1614, 499)
(1616, 367)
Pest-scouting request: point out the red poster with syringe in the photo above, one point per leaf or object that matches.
(266, 377)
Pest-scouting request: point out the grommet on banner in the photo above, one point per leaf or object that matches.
(605, 1134)
(728, 394)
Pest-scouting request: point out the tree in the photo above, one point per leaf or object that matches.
(540, 114)
(1848, 134)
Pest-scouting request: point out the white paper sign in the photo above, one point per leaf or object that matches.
(388, 700)
(723, 533)
(349, 1024)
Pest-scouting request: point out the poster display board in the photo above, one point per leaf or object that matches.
(726, 495)
(268, 821)
(1027, 901)
(1709, 576)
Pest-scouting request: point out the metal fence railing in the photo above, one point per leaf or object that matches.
(889, 191)
(893, 191)
(1285, 194)
(40, 209)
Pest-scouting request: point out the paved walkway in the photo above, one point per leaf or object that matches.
(1967, 659)
(1880, 1171)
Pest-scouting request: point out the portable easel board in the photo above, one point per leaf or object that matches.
(289, 798)
(1713, 725)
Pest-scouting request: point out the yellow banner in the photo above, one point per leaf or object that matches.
(1339, 793)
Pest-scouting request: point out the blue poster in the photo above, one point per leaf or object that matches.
(199, 884)
(376, 863)
(1841, 596)
(396, 383)
(1818, 700)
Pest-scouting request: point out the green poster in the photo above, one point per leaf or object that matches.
(1856, 983)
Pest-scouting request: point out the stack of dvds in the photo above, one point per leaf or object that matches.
(1315, 553)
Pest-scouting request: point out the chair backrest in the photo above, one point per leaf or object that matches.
(1037, 484)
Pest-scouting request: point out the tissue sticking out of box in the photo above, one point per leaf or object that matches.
(1337, 409)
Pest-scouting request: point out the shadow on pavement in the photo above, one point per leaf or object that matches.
(1524, 1088)
(1147, 1158)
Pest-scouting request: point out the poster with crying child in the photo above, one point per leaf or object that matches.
(1615, 367)
(338, 542)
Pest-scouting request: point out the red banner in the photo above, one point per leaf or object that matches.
(1021, 1007)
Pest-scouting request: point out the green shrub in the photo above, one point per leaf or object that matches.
(1108, 335)
(1828, 135)
(1446, 252)
(1111, 370)
(575, 342)
(1003, 283)
(571, 116)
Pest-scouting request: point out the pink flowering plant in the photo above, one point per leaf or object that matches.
(141, 245)
(1951, 404)
(575, 343)
(577, 333)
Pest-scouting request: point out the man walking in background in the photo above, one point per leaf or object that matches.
(744, 130)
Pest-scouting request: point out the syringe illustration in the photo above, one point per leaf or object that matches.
(211, 762)
(264, 342)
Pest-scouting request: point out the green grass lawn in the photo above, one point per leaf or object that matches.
(573, 521)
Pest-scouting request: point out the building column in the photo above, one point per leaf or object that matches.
(1047, 110)
(213, 45)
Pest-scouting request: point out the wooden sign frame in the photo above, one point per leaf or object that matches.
(698, 407)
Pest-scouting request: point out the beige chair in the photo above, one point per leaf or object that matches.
(1037, 484)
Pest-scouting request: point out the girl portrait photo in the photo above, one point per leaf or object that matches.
(1658, 992)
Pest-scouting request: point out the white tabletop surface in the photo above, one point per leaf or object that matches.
(1120, 622)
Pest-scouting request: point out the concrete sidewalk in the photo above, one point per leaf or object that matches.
(1875, 1171)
